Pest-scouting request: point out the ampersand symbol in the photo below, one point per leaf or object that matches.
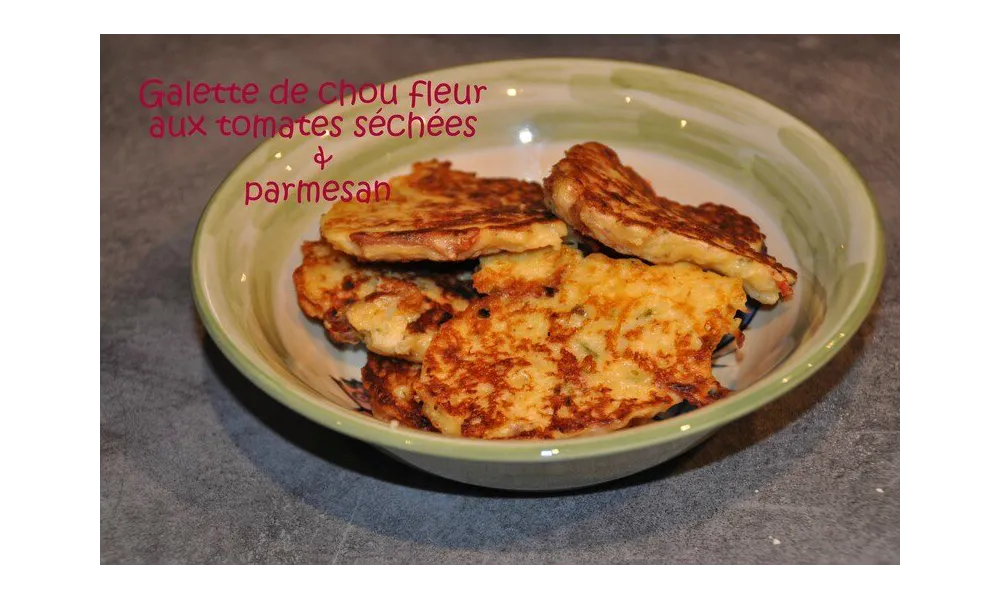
(321, 158)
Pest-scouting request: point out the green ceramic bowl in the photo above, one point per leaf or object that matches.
(696, 140)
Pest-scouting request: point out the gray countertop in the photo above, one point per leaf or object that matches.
(197, 465)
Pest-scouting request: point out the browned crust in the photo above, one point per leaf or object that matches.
(447, 244)
(380, 376)
(453, 374)
(633, 202)
(330, 308)
(481, 415)
(340, 294)
(506, 195)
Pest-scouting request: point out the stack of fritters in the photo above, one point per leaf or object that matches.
(550, 337)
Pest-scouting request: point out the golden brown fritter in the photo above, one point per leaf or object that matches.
(566, 345)
(602, 198)
(436, 213)
(389, 383)
(394, 311)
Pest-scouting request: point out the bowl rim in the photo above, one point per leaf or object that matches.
(781, 380)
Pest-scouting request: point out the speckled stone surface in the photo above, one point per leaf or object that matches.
(197, 465)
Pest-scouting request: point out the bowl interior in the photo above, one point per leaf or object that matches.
(694, 139)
